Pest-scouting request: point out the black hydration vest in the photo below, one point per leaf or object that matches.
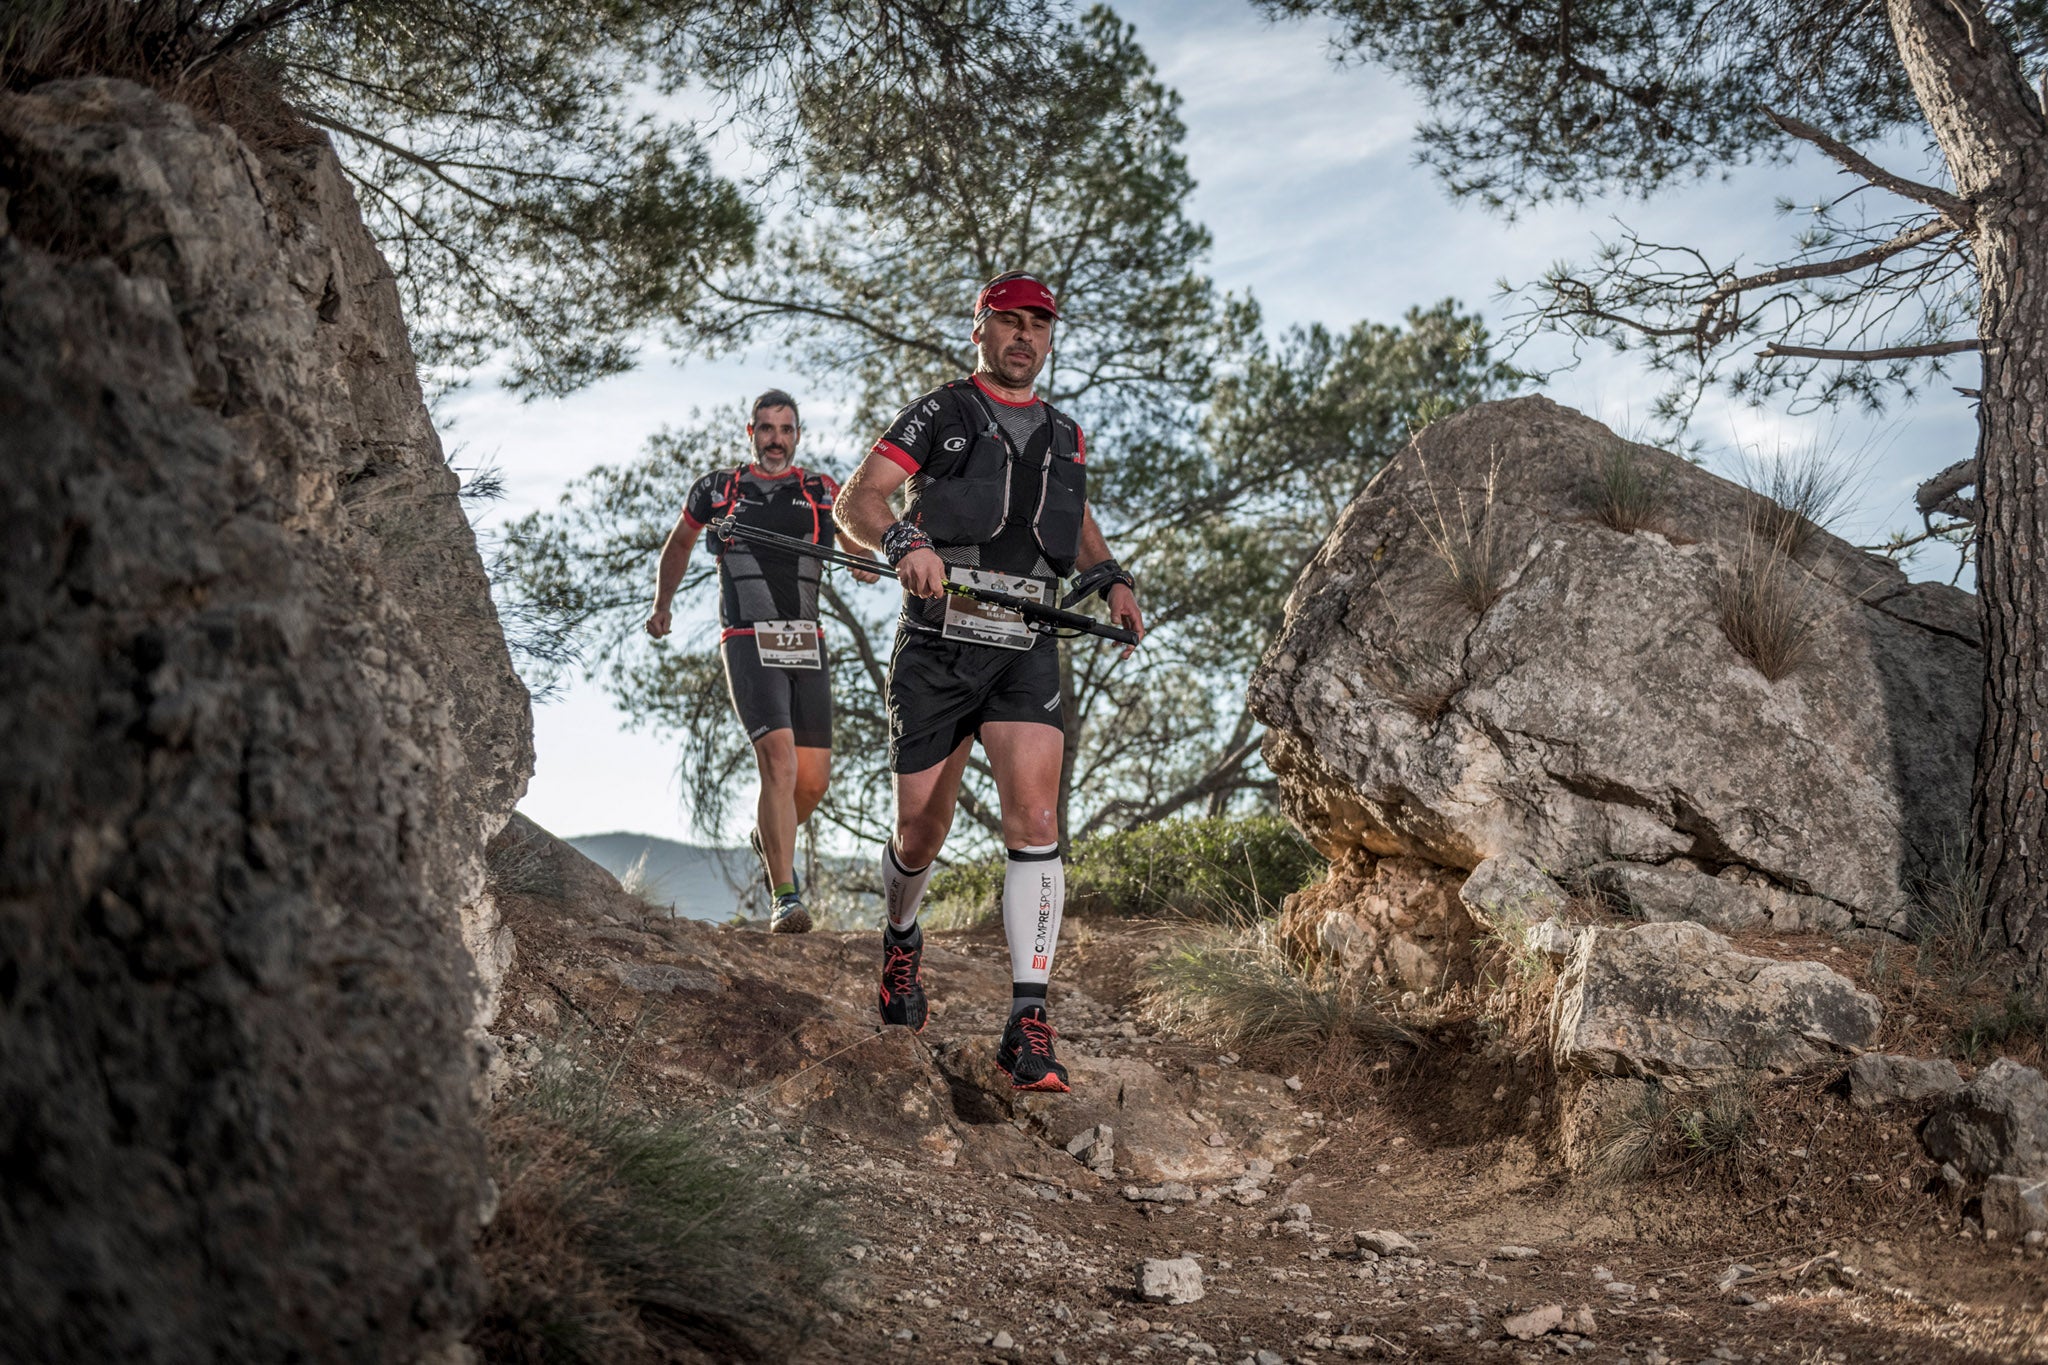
(963, 494)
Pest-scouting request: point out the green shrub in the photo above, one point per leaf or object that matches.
(621, 1237)
(2021, 1019)
(1221, 868)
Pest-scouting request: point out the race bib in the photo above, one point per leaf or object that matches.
(788, 644)
(982, 624)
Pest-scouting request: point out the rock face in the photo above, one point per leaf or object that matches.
(1595, 712)
(1397, 919)
(1995, 1125)
(1677, 1002)
(260, 724)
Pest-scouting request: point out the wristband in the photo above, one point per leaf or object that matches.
(900, 539)
(1100, 579)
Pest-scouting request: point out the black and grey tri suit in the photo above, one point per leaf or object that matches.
(997, 486)
(757, 583)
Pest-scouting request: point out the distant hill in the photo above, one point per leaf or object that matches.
(702, 883)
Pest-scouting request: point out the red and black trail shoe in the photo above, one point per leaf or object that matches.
(903, 999)
(1025, 1053)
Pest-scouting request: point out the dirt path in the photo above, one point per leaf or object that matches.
(979, 1238)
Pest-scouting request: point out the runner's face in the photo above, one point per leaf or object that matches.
(1013, 345)
(774, 434)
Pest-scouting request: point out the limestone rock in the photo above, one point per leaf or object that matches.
(1534, 1323)
(1674, 892)
(1383, 1243)
(1995, 1125)
(1510, 890)
(1877, 1079)
(1175, 1281)
(1595, 712)
(262, 724)
(1677, 1002)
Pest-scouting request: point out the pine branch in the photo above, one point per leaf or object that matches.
(1958, 212)
(1774, 351)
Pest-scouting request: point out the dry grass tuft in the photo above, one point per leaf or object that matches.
(1624, 493)
(1236, 988)
(1801, 491)
(1466, 538)
(1657, 1133)
(624, 1238)
(1767, 606)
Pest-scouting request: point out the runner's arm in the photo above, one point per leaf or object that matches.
(675, 559)
(865, 515)
(852, 546)
(1123, 603)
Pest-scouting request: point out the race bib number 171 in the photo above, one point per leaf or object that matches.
(788, 644)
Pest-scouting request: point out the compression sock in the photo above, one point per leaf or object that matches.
(1034, 895)
(902, 892)
(785, 889)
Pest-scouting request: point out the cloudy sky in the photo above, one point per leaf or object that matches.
(1306, 179)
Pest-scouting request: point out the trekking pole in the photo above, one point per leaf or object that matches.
(1038, 616)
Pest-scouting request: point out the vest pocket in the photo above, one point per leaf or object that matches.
(1059, 520)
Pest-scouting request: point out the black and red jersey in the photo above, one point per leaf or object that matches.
(757, 583)
(937, 436)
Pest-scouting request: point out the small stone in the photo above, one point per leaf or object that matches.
(1582, 1322)
(1733, 1274)
(1383, 1243)
(1515, 1253)
(1175, 1281)
(1292, 1083)
(905, 1334)
(1534, 1323)
(1002, 1341)
(1620, 1290)
(1218, 1140)
(1601, 1274)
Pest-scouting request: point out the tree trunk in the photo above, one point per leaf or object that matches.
(1990, 128)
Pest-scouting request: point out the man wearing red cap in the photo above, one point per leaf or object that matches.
(995, 496)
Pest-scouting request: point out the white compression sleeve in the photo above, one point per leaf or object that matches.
(902, 890)
(1034, 895)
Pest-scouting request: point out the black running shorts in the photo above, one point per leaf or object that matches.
(795, 699)
(942, 691)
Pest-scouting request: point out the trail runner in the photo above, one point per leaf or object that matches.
(774, 654)
(995, 496)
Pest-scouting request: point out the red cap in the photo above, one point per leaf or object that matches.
(1014, 290)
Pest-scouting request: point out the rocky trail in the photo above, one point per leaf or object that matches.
(1406, 1211)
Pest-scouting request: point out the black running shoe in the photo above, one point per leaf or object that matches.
(768, 877)
(1026, 1053)
(790, 917)
(903, 999)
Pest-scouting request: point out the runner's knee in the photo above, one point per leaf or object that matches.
(778, 765)
(919, 839)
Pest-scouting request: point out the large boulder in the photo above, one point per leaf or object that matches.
(1676, 1002)
(260, 725)
(1595, 712)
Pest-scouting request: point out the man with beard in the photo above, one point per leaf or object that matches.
(769, 639)
(995, 496)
